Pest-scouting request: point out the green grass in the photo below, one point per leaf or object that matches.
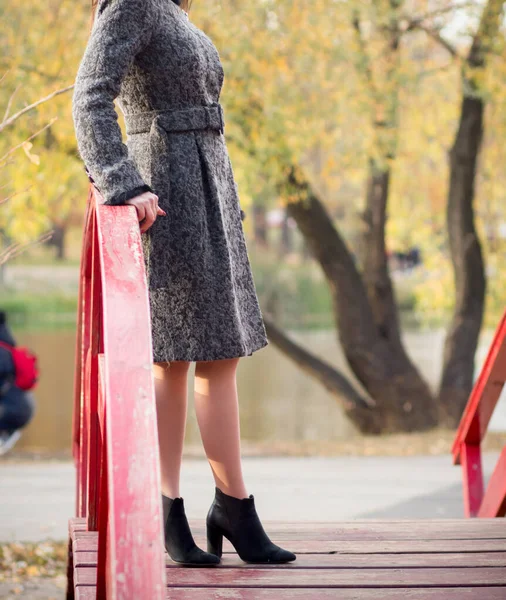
(299, 298)
(292, 290)
(295, 294)
(39, 312)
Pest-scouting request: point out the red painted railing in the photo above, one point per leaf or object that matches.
(115, 441)
(466, 450)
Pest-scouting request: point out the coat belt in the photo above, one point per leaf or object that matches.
(208, 116)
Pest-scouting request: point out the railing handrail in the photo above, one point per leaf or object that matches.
(115, 440)
(466, 449)
(485, 394)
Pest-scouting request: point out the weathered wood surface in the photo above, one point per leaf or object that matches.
(325, 578)
(88, 593)
(429, 560)
(115, 438)
(351, 561)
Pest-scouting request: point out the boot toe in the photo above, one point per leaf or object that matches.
(281, 555)
(201, 557)
(198, 558)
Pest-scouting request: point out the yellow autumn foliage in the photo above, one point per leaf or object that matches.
(296, 88)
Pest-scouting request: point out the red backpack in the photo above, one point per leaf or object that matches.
(25, 366)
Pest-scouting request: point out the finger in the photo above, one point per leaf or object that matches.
(149, 220)
(141, 212)
(154, 204)
(160, 211)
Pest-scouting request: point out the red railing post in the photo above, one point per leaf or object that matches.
(466, 448)
(115, 438)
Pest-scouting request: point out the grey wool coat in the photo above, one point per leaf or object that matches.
(167, 76)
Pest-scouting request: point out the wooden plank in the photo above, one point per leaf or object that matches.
(135, 542)
(484, 396)
(490, 529)
(85, 593)
(472, 478)
(494, 501)
(480, 593)
(89, 544)
(355, 561)
(442, 528)
(415, 532)
(323, 578)
(76, 524)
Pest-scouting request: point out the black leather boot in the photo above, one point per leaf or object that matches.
(237, 520)
(179, 541)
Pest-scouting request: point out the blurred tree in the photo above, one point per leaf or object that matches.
(10, 249)
(468, 268)
(364, 301)
(37, 60)
(274, 114)
(319, 98)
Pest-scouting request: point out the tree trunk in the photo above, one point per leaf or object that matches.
(403, 401)
(467, 259)
(462, 337)
(286, 242)
(376, 274)
(356, 407)
(58, 241)
(260, 225)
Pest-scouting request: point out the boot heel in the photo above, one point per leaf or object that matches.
(214, 541)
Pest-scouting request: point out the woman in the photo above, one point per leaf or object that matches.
(176, 171)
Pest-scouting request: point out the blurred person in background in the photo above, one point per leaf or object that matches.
(18, 375)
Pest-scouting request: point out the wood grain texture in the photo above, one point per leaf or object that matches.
(482, 593)
(135, 539)
(470, 568)
(487, 528)
(324, 578)
(346, 547)
(349, 561)
(115, 436)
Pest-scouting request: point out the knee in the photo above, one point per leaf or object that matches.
(214, 368)
(173, 370)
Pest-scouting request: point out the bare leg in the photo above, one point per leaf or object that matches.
(171, 390)
(217, 410)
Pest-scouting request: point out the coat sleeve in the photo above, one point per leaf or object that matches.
(122, 29)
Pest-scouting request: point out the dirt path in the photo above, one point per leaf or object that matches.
(37, 588)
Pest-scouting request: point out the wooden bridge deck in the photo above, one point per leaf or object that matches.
(359, 560)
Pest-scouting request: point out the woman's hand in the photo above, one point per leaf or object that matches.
(147, 208)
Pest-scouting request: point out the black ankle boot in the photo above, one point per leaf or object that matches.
(237, 520)
(179, 541)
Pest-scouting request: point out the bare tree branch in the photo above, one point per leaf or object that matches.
(435, 34)
(4, 200)
(30, 107)
(327, 375)
(413, 23)
(4, 76)
(12, 150)
(9, 103)
(16, 249)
